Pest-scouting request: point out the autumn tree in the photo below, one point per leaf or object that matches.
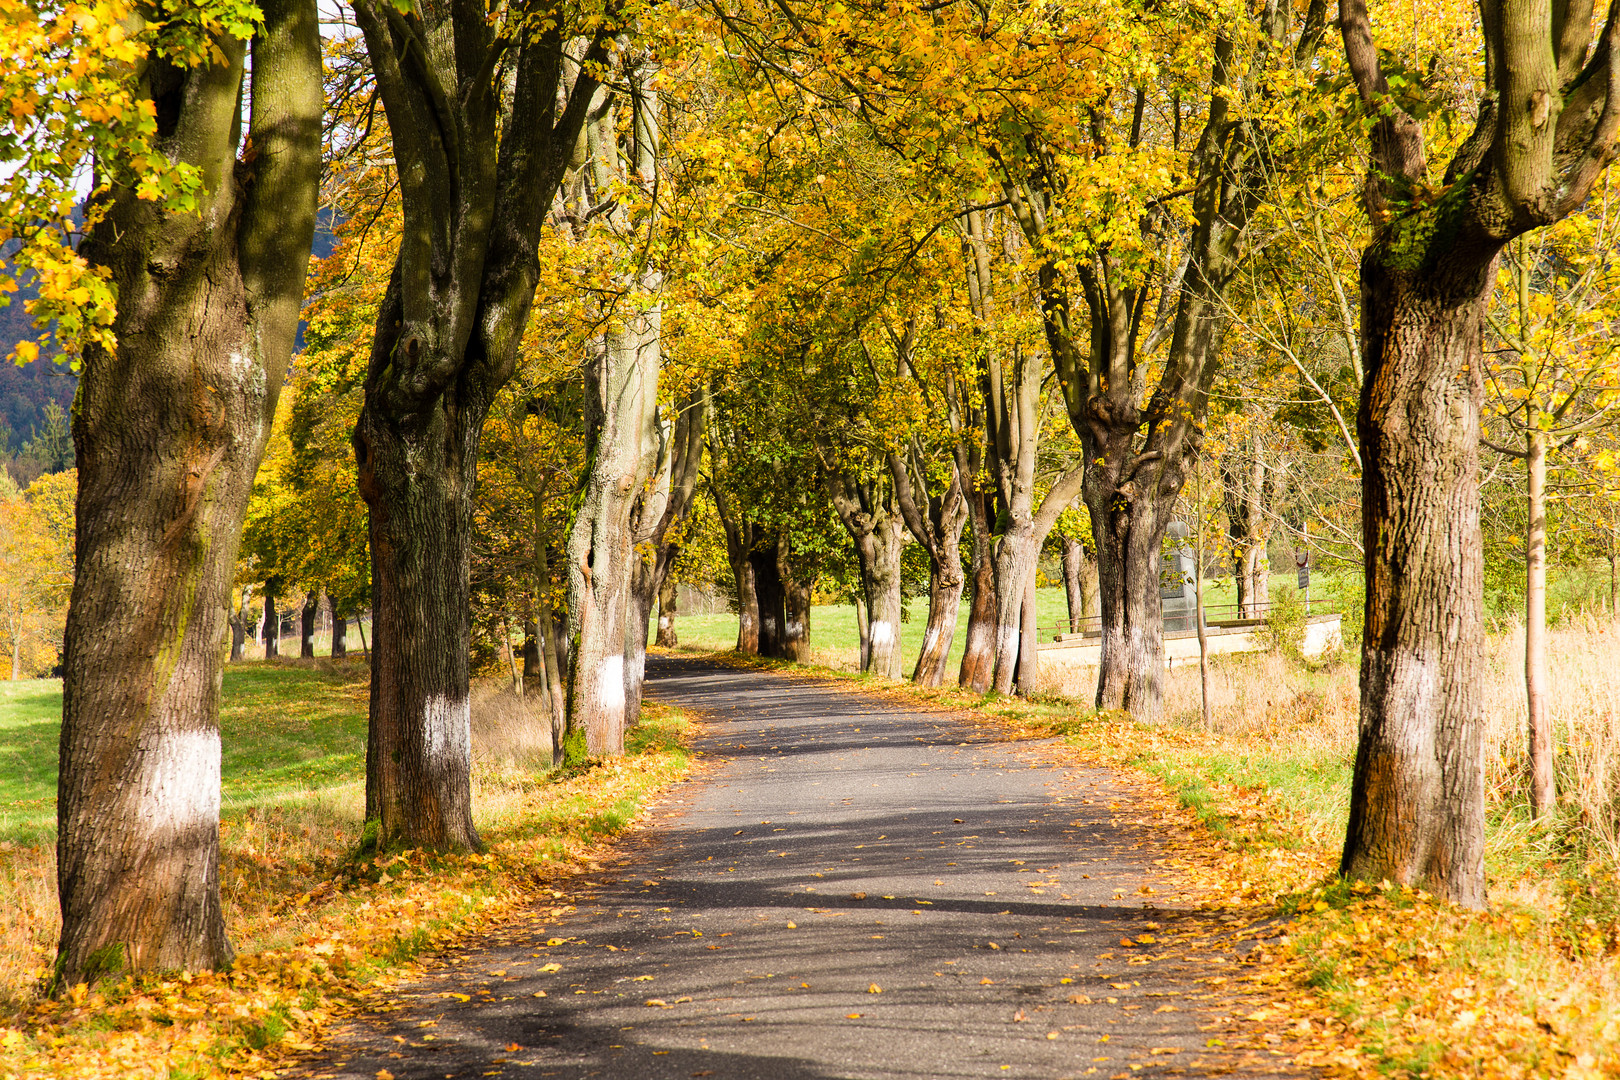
(1553, 373)
(484, 113)
(173, 410)
(1543, 129)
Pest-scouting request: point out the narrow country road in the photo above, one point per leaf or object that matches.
(849, 889)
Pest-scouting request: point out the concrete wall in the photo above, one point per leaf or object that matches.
(1070, 651)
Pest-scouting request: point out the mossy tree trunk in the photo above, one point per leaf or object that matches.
(169, 432)
(1546, 129)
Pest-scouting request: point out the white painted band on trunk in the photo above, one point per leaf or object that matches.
(447, 729)
(610, 681)
(795, 629)
(882, 633)
(1006, 639)
(928, 640)
(180, 782)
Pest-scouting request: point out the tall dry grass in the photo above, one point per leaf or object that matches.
(1265, 696)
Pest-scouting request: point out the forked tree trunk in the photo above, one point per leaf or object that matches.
(306, 636)
(872, 519)
(668, 597)
(935, 522)
(168, 434)
(1417, 804)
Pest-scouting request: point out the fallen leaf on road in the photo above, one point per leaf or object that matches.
(657, 1003)
(874, 989)
(1164, 1050)
(852, 1016)
(1019, 1017)
(550, 967)
(1051, 1034)
(512, 1048)
(857, 896)
(1079, 999)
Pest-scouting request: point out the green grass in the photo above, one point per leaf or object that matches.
(287, 730)
(836, 640)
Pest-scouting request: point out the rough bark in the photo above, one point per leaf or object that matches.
(871, 516)
(168, 434)
(340, 634)
(1545, 129)
(483, 120)
(610, 586)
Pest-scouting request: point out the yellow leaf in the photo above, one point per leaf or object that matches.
(874, 989)
(550, 967)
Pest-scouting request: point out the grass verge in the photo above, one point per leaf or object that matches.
(313, 926)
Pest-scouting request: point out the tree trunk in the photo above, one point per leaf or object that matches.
(797, 593)
(643, 592)
(553, 677)
(1130, 670)
(340, 635)
(668, 594)
(1016, 557)
(238, 636)
(1543, 792)
(306, 636)
(944, 608)
(168, 434)
(979, 655)
(272, 623)
(1417, 807)
(419, 749)
(1074, 561)
(16, 645)
(601, 556)
(769, 597)
(863, 628)
(871, 516)
(935, 521)
(742, 573)
(1029, 667)
(1247, 486)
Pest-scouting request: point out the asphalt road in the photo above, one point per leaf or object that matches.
(849, 889)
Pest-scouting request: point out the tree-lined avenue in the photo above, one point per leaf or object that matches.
(851, 888)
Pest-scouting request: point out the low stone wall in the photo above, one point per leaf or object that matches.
(1322, 633)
